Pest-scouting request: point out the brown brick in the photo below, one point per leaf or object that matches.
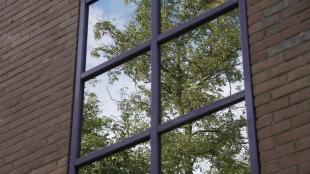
(256, 37)
(262, 99)
(270, 84)
(260, 5)
(264, 121)
(297, 7)
(304, 15)
(270, 167)
(290, 87)
(286, 66)
(286, 149)
(289, 43)
(266, 144)
(301, 119)
(291, 170)
(276, 7)
(260, 56)
(288, 161)
(290, 111)
(284, 138)
(300, 95)
(272, 106)
(292, 31)
(304, 156)
(268, 63)
(303, 143)
(267, 156)
(302, 131)
(305, 168)
(260, 77)
(37, 66)
(60, 170)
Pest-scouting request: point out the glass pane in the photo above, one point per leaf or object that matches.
(215, 144)
(134, 160)
(114, 26)
(201, 66)
(116, 104)
(174, 12)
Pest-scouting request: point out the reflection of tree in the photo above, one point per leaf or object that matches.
(195, 69)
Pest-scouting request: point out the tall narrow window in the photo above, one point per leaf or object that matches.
(163, 86)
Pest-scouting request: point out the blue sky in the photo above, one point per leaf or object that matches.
(115, 11)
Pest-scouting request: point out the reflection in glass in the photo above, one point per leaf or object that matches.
(135, 160)
(201, 66)
(114, 26)
(116, 104)
(215, 144)
(174, 12)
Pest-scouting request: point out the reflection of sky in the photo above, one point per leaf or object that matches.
(115, 11)
(119, 14)
(234, 87)
(107, 93)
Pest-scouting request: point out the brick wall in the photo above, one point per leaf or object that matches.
(280, 55)
(37, 62)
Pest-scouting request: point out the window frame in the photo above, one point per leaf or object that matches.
(153, 45)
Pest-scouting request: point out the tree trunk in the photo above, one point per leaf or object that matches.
(188, 162)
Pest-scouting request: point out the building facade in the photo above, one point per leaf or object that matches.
(39, 62)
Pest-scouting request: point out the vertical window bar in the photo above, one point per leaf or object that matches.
(155, 87)
(254, 158)
(78, 97)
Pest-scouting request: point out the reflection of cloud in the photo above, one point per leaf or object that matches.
(117, 13)
(94, 15)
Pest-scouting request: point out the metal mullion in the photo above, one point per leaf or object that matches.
(118, 60)
(202, 112)
(78, 91)
(114, 148)
(155, 88)
(254, 157)
(198, 21)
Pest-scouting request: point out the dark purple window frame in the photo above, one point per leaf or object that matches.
(153, 133)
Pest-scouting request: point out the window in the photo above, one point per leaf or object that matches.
(163, 86)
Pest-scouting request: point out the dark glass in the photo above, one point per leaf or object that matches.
(114, 26)
(215, 144)
(116, 104)
(201, 66)
(174, 12)
(135, 160)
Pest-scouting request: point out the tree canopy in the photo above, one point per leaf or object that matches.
(197, 68)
